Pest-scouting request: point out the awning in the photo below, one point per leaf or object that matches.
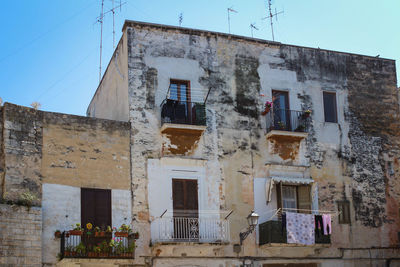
(292, 180)
(269, 184)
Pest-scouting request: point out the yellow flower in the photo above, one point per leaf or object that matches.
(89, 226)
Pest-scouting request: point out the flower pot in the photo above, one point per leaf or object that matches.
(266, 111)
(135, 235)
(103, 255)
(57, 234)
(99, 234)
(75, 232)
(121, 234)
(92, 255)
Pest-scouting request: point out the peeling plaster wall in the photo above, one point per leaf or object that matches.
(113, 88)
(237, 71)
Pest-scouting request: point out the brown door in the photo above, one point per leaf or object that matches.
(185, 205)
(96, 207)
(180, 92)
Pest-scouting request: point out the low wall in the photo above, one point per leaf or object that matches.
(20, 236)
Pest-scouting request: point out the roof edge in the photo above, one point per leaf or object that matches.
(133, 23)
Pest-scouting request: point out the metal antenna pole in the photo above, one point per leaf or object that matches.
(113, 12)
(180, 19)
(230, 9)
(253, 26)
(270, 16)
(101, 36)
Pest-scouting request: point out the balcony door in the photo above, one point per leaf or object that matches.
(185, 205)
(180, 92)
(281, 110)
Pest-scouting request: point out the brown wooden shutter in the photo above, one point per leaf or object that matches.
(96, 207)
(304, 198)
(185, 197)
(330, 110)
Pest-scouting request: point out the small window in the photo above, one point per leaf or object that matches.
(330, 109)
(344, 212)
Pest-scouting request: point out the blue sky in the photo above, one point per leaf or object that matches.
(49, 50)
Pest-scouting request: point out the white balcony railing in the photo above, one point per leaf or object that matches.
(189, 229)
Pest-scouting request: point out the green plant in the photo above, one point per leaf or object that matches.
(77, 227)
(109, 229)
(125, 228)
(131, 247)
(96, 249)
(80, 249)
(104, 246)
(27, 199)
(281, 125)
(97, 229)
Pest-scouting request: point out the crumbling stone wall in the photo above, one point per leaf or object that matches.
(20, 236)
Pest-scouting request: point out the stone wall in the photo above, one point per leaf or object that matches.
(20, 236)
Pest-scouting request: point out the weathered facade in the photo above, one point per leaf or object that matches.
(352, 160)
(192, 150)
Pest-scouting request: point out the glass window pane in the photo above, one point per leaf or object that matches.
(173, 91)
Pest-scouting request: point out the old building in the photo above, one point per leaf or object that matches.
(183, 147)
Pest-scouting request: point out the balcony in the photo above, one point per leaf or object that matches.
(190, 229)
(178, 112)
(271, 232)
(287, 122)
(82, 245)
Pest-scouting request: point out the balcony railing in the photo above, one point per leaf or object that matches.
(275, 232)
(184, 229)
(180, 112)
(91, 246)
(287, 120)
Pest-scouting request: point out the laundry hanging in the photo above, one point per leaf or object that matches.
(326, 221)
(269, 185)
(300, 228)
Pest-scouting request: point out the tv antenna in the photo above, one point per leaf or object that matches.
(270, 16)
(253, 26)
(230, 9)
(180, 19)
(100, 19)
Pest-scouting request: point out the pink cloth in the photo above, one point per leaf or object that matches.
(326, 221)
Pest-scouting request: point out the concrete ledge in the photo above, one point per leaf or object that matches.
(297, 135)
(170, 126)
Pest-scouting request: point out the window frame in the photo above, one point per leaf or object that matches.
(342, 217)
(279, 196)
(334, 106)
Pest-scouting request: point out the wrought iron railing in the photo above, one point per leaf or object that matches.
(287, 120)
(182, 112)
(275, 232)
(190, 229)
(91, 246)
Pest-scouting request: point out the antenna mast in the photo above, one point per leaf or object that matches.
(101, 35)
(253, 26)
(180, 19)
(113, 12)
(230, 9)
(270, 16)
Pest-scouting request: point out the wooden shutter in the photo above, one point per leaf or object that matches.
(304, 198)
(96, 207)
(185, 197)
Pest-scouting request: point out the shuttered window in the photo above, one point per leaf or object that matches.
(184, 195)
(96, 207)
(330, 109)
(344, 212)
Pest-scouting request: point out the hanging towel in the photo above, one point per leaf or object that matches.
(300, 228)
(269, 184)
(326, 221)
(318, 225)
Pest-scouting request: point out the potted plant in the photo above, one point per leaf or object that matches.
(123, 231)
(135, 235)
(77, 230)
(57, 234)
(281, 125)
(104, 249)
(307, 113)
(98, 232)
(89, 228)
(80, 249)
(69, 251)
(267, 108)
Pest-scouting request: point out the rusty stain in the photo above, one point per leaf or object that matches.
(182, 141)
(287, 147)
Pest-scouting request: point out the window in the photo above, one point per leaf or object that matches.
(294, 197)
(96, 207)
(179, 90)
(330, 109)
(344, 211)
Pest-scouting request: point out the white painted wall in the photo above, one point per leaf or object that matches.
(160, 175)
(61, 208)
